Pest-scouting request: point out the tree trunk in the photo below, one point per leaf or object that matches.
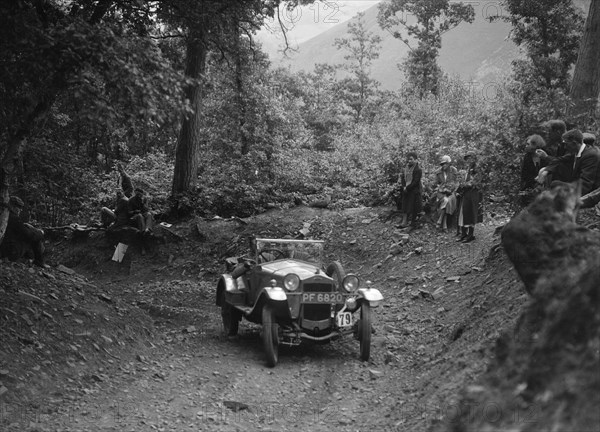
(585, 88)
(187, 154)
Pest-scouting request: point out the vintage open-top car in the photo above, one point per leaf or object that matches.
(286, 288)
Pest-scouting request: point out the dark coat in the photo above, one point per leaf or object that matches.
(585, 168)
(137, 204)
(412, 199)
(529, 171)
(19, 234)
(121, 213)
(471, 197)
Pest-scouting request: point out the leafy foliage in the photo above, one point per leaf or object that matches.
(265, 137)
(362, 48)
(549, 31)
(425, 21)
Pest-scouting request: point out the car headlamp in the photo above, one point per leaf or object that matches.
(350, 283)
(291, 282)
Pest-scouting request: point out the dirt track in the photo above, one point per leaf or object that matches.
(188, 376)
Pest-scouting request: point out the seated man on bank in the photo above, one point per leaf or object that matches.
(139, 214)
(119, 217)
(19, 234)
(582, 161)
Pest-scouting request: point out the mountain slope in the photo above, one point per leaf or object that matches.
(479, 53)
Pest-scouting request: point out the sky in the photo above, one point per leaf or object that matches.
(308, 21)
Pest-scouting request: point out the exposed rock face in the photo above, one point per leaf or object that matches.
(544, 240)
(545, 374)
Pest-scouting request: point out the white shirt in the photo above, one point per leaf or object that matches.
(578, 155)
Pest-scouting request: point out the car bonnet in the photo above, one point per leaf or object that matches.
(287, 266)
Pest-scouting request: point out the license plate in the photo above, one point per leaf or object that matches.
(322, 298)
(344, 319)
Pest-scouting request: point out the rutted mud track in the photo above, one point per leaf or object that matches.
(445, 306)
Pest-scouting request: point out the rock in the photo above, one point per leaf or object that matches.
(419, 250)
(189, 329)
(97, 378)
(105, 298)
(426, 294)
(3, 390)
(66, 270)
(31, 297)
(453, 279)
(235, 406)
(48, 275)
(159, 376)
(396, 249)
(107, 339)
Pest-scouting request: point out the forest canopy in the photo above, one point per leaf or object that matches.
(181, 94)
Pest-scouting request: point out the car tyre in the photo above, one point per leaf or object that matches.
(337, 272)
(364, 331)
(270, 334)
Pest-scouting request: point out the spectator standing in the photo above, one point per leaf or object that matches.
(412, 199)
(471, 199)
(446, 181)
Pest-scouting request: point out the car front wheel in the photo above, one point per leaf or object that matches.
(270, 334)
(364, 331)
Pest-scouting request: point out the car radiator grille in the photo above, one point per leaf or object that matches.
(317, 312)
(318, 287)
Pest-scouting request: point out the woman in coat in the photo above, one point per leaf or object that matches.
(470, 203)
(446, 181)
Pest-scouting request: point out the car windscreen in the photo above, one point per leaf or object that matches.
(303, 250)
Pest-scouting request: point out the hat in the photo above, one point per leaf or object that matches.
(16, 202)
(589, 138)
(445, 159)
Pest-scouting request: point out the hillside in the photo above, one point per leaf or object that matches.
(480, 52)
(138, 346)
